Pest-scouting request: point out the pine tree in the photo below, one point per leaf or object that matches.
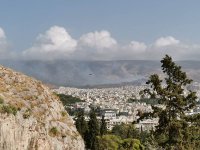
(93, 131)
(173, 129)
(103, 128)
(81, 124)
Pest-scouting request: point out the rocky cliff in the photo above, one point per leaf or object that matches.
(33, 118)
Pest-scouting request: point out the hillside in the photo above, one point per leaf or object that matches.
(31, 117)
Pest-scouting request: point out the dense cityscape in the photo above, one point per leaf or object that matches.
(116, 105)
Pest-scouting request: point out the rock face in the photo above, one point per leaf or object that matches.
(33, 118)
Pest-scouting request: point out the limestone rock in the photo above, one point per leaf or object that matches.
(33, 118)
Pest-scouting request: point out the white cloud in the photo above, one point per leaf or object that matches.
(3, 45)
(2, 34)
(137, 46)
(166, 41)
(98, 40)
(3, 42)
(54, 43)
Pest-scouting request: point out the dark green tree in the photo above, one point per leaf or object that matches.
(81, 123)
(109, 142)
(114, 142)
(172, 131)
(103, 128)
(131, 144)
(93, 131)
(126, 131)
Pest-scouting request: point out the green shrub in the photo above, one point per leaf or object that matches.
(1, 100)
(54, 131)
(63, 113)
(27, 114)
(9, 109)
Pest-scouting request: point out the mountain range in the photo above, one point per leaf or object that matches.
(95, 73)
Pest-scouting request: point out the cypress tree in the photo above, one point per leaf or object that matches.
(81, 124)
(103, 128)
(93, 131)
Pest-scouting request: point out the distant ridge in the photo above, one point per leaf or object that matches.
(90, 73)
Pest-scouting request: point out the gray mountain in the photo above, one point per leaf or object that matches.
(82, 73)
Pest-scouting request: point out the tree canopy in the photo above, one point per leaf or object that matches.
(173, 130)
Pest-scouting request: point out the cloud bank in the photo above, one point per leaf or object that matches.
(4, 46)
(56, 43)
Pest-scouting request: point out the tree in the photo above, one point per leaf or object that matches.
(126, 131)
(103, 128)
(109, 142)
(173, 129)
(93, 131)
(114, 142)
(81, 124)
(131, 144)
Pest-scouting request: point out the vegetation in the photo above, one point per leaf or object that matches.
(110, 142)
(103, 127)
(81, 124)
(68, 99)
(97, 137)
(54, 131)
(7, 108)
(63, 113)
(93, 131)
(131, 144)
(126, 131)
(170, 101)
(115, 142)
(174, 131)
(1, 100)
(27, 114)
(150, 101)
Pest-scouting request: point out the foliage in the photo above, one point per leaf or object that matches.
(194, 130)
(103, 127)
(114, 142)
(173, 129)
(63, 113)
(9, 109)
(68, 99)
(131, 144)
(124, 136)
(70, 111)
(1, 100)
(150, 101)
(80, 123)
(54, 131)
(109, 142)
(126, 131)
(27, 114)
(93, 131)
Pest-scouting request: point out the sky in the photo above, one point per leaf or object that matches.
(99, 30)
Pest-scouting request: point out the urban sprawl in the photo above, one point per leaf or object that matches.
(116, 106)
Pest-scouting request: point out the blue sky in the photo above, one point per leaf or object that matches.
(143, 21)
